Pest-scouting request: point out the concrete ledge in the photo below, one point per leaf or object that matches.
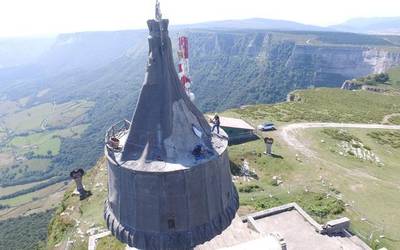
(94, 238)
(271, 211)
(336, 226)
(285, 208)
(253, 225)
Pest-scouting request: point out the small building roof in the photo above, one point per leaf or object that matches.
(229, 122)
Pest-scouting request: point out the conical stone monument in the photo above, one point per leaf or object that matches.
(169, 178)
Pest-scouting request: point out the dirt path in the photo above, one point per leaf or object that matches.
(290, 133)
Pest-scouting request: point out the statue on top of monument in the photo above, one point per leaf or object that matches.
(158, 11)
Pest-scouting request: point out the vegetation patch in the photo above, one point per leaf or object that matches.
(340, 135)
(110, 242)
(29, 119)
(351, 145)
(4, 206)
(38, 143)
(28, 232)
(59, 224)
(395, 120)
(319, 206)
(374, 79)
(391, 138)
(394, 76)
(250, 188)
(75, 220)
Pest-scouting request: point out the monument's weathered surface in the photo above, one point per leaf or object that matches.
(169, 179)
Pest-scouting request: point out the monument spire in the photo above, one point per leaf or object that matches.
(169, 180)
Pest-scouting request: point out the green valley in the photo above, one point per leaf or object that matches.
(31, 138)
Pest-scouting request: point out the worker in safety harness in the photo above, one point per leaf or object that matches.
(216, 123)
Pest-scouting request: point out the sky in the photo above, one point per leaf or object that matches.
(45, 17)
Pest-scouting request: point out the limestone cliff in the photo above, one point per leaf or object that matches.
(246, 67)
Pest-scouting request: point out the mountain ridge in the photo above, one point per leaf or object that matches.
(373, 25)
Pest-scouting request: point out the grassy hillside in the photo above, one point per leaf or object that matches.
(326, 105)
(323, 190)
(327, 187)
(75, 216)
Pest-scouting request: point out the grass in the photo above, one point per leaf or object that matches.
(44, 142)
(394, 75)
(249, 188)
(29, 119)
(23, 101)
(8, 107)
(317, 205)
(340, 135)
(341, 178)
(362, 183)
(38, 143)
(56, 116)
(13, 189)
(73, 132)
(89, 212)
(27, 198)
(326, 105)
(391, 138)
(110, 242)
(6, 159)
(262, 193)
(395, 120)
(18, 200)
(64, 114)
(37, 164)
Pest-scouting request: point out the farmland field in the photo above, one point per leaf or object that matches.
(30, 138)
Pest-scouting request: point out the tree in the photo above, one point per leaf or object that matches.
(381, 78)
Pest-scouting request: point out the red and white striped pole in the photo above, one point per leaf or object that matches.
(183, 67)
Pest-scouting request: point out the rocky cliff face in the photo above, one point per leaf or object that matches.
(236, 68)
(229, 67)
(381, 59)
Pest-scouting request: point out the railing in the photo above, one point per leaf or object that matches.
(115, 133)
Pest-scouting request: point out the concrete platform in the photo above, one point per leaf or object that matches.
(284, 227)
(301, 232)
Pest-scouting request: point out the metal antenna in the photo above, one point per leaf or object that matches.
(158, 11)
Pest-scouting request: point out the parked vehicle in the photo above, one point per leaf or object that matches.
(266, 127)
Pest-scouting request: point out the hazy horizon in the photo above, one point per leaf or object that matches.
(23, 18)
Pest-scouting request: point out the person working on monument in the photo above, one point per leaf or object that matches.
(216, 123)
